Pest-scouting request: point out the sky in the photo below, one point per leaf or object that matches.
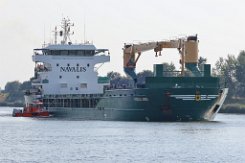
(26, 24)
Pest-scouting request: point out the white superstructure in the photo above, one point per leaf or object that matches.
(68, 68)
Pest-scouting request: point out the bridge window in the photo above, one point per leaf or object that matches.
(88, 52)
(64, 52)
(55, 52)
(73, 52)
(70, 52)
(80, 52)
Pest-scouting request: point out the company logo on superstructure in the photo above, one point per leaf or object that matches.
(73, 69)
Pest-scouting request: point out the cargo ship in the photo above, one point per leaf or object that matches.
(66, 75)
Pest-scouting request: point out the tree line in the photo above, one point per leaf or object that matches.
(14, 93)
(231, 70)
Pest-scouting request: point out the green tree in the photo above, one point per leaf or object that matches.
(118, 81)
(16, 95)
(168, 69)
(240, 73)
(201, 61)
(11, 87)
(25, 85)
(142, 75)
(113, 75)
(226, 70)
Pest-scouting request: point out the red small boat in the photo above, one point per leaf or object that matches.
(33, 107)
(31, 111)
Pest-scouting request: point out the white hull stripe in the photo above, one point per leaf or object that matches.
(193, 97)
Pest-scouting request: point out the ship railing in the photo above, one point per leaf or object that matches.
(40, 52)
(37, 53)
(102, 52)
(72, 96)
(178, 74)
(171, 73)
(119, 86)
(81, 52)
(36, 92)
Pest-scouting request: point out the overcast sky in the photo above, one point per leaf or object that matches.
(25, 24)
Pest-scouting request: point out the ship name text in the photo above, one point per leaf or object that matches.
(73, 69)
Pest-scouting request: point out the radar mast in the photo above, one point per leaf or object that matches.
(65, 32)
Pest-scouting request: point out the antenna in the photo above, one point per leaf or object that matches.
(50, 35)
(55, 35)
(66, 26)
(44, 33)
(84, 30)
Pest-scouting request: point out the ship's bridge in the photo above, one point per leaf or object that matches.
(69, 69)
(70, 50)
(70, 47)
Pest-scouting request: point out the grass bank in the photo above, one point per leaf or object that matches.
(234, 106)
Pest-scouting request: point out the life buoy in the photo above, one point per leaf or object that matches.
(198, 97)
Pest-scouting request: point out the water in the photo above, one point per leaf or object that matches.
(28, 140)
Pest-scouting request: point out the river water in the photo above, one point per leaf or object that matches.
(28, 140)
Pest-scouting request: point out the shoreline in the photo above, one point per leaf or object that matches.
(234, 108)
(11, 105)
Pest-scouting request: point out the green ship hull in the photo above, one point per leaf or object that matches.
(162, 99)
